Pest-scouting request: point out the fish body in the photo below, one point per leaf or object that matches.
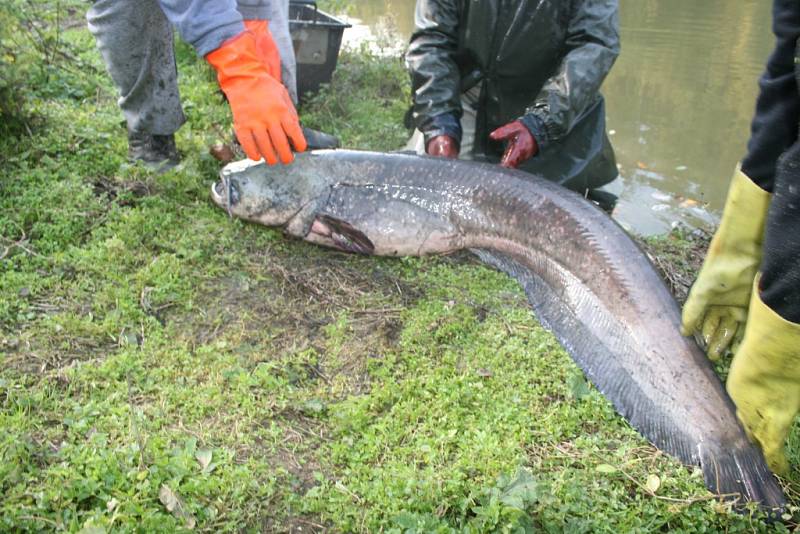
(585, 278)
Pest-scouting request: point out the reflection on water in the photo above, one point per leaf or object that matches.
(680, 99)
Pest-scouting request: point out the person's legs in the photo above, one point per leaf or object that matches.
(764, 377)
(469, 104)
(136, 42)
(416, 143)
(780, 268)
(279, 28)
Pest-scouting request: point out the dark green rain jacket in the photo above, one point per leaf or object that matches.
(539, 61)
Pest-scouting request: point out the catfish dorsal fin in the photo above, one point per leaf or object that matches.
(346, 236)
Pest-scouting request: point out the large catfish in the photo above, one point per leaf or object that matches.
(586, 280)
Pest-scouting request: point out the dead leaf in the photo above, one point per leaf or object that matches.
(641, 165)
(653, 483)
(175, 506)
(689, 203)
(113, 503)
(204, 457)
(222, 152)
(167, 497)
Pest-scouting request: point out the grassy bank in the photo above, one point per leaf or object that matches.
(164, 367)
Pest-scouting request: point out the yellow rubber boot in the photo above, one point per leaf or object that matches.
(764, 380)
(717, 304)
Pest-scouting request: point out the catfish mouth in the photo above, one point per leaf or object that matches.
(219, 196)
(218, 192)
(225, 194)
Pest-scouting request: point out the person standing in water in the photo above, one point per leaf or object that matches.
(516, 82)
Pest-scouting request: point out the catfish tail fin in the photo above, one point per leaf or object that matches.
(736, 471)
(741, 474)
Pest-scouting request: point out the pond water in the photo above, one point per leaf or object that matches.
(679, 99)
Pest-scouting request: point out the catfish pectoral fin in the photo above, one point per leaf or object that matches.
(344, 235)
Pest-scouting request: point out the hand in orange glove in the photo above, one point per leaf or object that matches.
(442, 146)
(264, 117)
(266, 48)
(267, 51)
(521, 144)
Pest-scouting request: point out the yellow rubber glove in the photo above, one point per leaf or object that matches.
(764, 380)
(717, 304)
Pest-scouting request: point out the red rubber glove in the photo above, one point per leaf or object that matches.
(521, 145)
(442, 146)
(266, 48)
(263, 115)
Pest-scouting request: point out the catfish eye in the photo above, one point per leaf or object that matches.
(227, 193)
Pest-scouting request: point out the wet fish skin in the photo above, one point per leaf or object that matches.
(585, 278)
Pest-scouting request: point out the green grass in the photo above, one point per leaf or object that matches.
(151, 346)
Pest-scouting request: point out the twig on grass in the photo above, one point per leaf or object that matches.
(311, 523)
(19, 243)
(380, 311)
(691, 500)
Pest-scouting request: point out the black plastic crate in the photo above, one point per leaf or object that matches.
(317, 38)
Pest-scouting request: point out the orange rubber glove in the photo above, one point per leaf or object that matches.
(266, 48)
(443, 146)
(264, 117)
(521, 144)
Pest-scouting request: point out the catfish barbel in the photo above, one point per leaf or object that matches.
(585, 278)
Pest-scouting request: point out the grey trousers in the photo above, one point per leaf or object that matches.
(136, 42)
(279, 28)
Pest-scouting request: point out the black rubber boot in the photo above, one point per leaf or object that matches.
(319, 140)
(156, 152)
(607, 201)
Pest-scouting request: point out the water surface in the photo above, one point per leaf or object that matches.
(680, 99)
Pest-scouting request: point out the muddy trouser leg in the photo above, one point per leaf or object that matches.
(780, 268)
(279, 28)
(468, 102)
(136, 42)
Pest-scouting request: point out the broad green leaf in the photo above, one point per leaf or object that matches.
(606, 468)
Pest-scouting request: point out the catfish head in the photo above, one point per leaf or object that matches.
(275, 195)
